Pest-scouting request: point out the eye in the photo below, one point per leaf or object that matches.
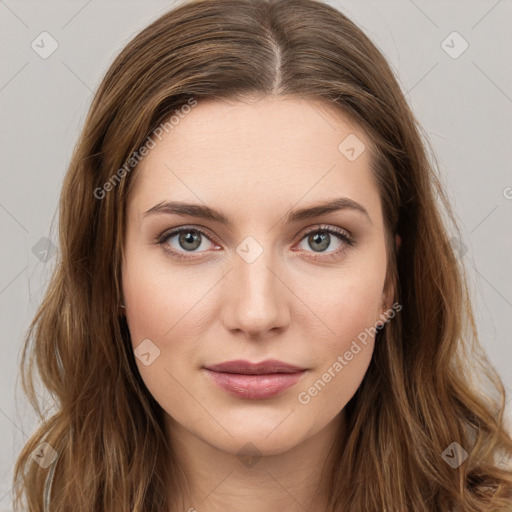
(320, 238)
(183, 240)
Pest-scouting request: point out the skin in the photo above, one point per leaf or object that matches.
(254, 160)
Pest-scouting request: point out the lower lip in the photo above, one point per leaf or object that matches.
(255, 387)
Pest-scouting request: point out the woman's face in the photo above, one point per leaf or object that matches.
(258, 279)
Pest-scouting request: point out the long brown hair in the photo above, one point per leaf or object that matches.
(421, 392)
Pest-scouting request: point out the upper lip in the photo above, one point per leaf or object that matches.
(248, 368)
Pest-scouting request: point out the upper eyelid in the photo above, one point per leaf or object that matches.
(326, 227)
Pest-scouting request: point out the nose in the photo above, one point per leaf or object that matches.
(256, 297)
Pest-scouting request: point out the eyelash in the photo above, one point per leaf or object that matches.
(341, 234)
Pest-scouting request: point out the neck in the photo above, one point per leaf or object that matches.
(295, 480)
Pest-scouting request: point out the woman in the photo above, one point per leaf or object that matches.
(256, 305)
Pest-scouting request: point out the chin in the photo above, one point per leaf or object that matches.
(257, 445)
(255, 438)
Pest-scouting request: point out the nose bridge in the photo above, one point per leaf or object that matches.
(256, 296)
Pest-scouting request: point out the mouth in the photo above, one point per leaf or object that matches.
(255, 381)
(269, 366)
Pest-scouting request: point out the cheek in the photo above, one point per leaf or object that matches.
(171, 310)
(160, 317)
(343, 346)
(158, 300)
(347, 304)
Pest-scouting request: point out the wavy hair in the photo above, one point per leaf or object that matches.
(429, 383)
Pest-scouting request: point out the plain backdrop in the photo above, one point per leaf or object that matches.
(452, 59)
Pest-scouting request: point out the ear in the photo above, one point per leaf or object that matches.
(398, 242)
(388, 292)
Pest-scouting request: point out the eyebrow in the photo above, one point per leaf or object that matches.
(205, 212)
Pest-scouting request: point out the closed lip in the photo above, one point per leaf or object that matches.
(269, 366)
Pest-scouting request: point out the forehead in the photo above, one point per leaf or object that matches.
(275, 150)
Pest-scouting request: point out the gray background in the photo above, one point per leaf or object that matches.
(463, 103)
